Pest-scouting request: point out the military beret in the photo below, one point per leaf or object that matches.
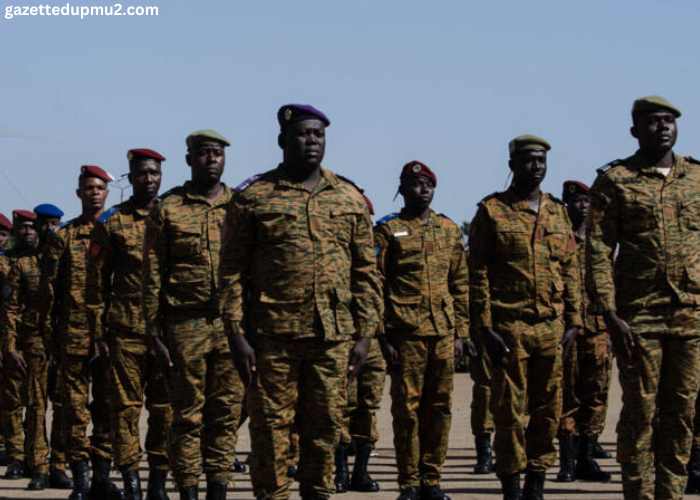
(95, 171)
(48, 210)
(290, 113)
(18, 215)
(417, 169)
(654, 103)
(5, 222)
(527, 142)
(574, 187)
(199, 137)
(133, 154)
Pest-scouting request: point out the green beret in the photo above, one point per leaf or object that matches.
(527, 142)
(195, 139)
(654, 103)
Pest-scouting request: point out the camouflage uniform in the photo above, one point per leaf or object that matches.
(426, 293)
(299, 279)
(525, 285)
(480, 371)
(181, 300)
(654, 285)
(63, 320)
(116, 312)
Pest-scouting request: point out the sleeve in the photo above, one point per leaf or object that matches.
(49, 288)
(381, 251)
(481, 243)
(601, 241)
(572, 280)
(154, 272)
(238, 240)
(367, 303)
(11, 309)
(459, 285)
(99, 278)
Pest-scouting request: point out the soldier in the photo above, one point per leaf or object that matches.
(64, 324)
(648, 206)
(299, 281)
(181, 306)
(421, 260)
(525, 295)
(5, 232)
(114, 301)
(587, 370)
(14, 383)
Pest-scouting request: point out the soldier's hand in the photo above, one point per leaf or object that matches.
(459, 349)
(103, 349)
(471, 350)
(391, 355)
(358, 356)
(18, 361)
(495, 345)
(620, 334)
(567, 341)
(243, 358)
(162, 354)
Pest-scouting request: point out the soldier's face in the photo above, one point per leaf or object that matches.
(655, 131)
(93, 193)
(207, 162)
(26, 234)
(529, 167)
(304, 144)
(417, 192)
(577, 206)
(47, 224)
(4, 238)
(145, 176)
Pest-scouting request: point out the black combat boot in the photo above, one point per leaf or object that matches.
(102, 487)
(189, 492)
(3, 458)
(342, 473)
(292, 471)
(567, 462)
(361, 480)
(534, 486)
(484, 458)
(433, 492)
(409, 493)
(59, 480)
(599, 451)
(132, 485)
(693, 485)
(216, 490)
(239, 466)
(510, 485)
(39, 481)
(156, 485)
(15, 470)
(587, 468)
(81, 480)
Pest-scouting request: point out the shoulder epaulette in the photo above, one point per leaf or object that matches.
(692, 160)
(446, 217)
(3, 252)
(168, 192)
(247, 183)
(387, 218)
(487, 198)
(556, 200)
(608, 166)
(343, 178)
(65, 224)
(108, 213)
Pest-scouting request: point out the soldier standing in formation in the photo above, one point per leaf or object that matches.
(422, 263)
(5, 234)
(648, 206)
(299, 282)
(114, 302)
(481, 417)
(526, 300)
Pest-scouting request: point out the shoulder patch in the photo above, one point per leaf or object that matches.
(387, 218)
(169, 192)
(608, 166)
(247, 183)
(108, 213)
(343, 178)
(487, 198)
(64, 224)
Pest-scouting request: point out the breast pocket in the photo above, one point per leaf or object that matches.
(511, 241)
(556, 238)
(276, 225)
(342, 224)
(638, 214)
(185, 240)
(408, 254)
(689, 214)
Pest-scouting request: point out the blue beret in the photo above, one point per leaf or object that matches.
(296, 112)
(48, 210)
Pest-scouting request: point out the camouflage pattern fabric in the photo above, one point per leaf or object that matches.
(654, 285)
(36, 444)
(14, 399)
(696, 423)
(480, 372)
(570, 395)
(594, 377)
(301, 384)
(58, 439)
(8, 423)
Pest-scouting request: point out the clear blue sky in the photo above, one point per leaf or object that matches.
(445, 82)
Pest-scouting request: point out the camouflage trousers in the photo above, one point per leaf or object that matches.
(134, 371)
(528, 382)
(696, 423)
(14, 399)
(364, 398)
(480, 371)
(206, 395)
(298, 383)
(58, 442)
(74, 391)
(421, 406)
(659, 386)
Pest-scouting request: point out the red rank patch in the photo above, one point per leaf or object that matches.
(95, 250)
(429, 248)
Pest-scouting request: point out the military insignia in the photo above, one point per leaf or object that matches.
(429, 248)
(387, 218)
(287, 114)
(572, 189)
(95, 250)
(377, 250)
(416, 169)
(400, 233)
(108, 213)
(129, 156)
(247, 183)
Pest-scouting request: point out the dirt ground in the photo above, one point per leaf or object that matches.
(458, 480)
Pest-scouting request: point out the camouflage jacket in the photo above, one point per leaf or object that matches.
(63, 288)
(592, 319)
(523, 264)
(299, 263)
(181, 255)
(655, 220)
(20, 313)
(115, 271)
(424, 275)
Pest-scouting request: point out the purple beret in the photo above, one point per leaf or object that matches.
(296, 112)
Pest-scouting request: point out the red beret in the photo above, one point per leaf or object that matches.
(23, 214)
(574, 187)
(5, 222)
(418, 169)
(95, 171)
(144, 153)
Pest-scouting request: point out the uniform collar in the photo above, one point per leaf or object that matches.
(518, 203)
(412, 220)
(642, 165)
(328, 180)
(142, 212)
(193, 195)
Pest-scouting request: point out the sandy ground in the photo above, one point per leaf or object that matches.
(458, 480)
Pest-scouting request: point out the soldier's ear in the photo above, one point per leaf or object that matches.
(511, 166)
(131, 179)
(634, 132)
(280, 140)
(188, 160)
(77, 193)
